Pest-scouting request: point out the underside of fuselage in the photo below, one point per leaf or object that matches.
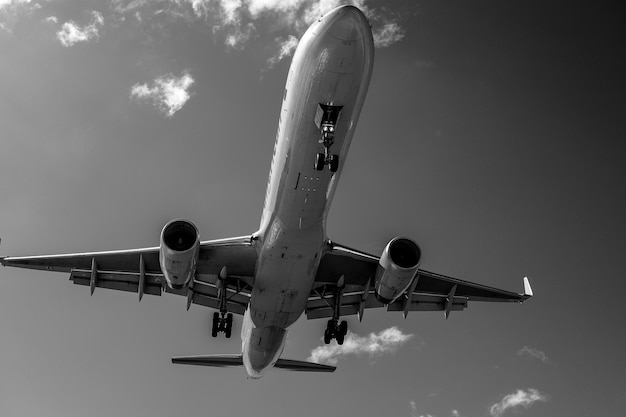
(331, 67)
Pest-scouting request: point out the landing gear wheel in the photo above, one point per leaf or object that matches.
(343, 328)
(334, 163)
(327, 336)
(339, 338)
(320, 160)
(216, 324)
(228, 326)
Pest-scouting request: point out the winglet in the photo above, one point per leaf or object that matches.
(528, 291)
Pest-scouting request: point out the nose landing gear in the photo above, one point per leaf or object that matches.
(326, 120)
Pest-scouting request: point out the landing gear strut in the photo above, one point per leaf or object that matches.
(222, 321)
(326, 119)
(334, 329)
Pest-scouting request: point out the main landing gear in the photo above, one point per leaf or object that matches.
(222, 321)
(326, 119)
(334, 329)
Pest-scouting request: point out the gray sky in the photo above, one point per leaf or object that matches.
(493, 133)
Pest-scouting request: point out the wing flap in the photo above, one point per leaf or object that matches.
(428, 302)
(351, 304)
(118, 281)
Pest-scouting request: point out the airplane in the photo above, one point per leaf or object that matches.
(289, 266)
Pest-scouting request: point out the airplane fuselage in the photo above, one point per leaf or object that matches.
(331, 66)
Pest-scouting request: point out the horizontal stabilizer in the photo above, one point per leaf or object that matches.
(293, 365)
(221, 361)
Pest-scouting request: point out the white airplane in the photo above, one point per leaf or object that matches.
(289, 266)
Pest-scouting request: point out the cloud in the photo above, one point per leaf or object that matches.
(534, 353)
(12, 10)
(520, 398)
(287, 46)
(414, 411)
(239, 21)
(455, 413)
(388, 34)
(51, 19)
(71, 33)
(375, 344)
(167, 93)
(7, 4)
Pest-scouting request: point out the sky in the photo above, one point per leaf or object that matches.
(492, 133)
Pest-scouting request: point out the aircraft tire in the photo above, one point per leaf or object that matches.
(343, 328)
(334, 163)
(319, 162)
(327, 336)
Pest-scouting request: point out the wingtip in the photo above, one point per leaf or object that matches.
(528, 291)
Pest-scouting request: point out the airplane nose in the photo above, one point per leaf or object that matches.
(346, 23)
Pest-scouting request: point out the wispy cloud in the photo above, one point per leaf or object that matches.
(375, 344)
(287, 46)
(71, 33)
(167, 93)
(11, 10)
(520, 398)
(533, 353)
(388, 34)
(237, 21)
(414, 412)
(51, 19)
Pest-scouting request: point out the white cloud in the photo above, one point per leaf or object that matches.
(534, 353)
(414, 411)
(287, 46)
(455, 413)
(122, 6)
(51, 19)
(520, 398)
(167, 93)
(8, 3)
(388, 34)
(71, 33)
(12, 10)
(5, 4)
(236, 21)
(375, 344)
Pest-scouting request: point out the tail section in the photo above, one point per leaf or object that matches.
(221, 361)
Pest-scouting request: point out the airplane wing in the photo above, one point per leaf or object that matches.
(138, 270)
(428, 292)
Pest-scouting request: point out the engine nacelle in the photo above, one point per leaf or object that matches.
(179, 251)
(396, 269)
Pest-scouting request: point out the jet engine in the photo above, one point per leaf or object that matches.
(396, 269)
(178, 253)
